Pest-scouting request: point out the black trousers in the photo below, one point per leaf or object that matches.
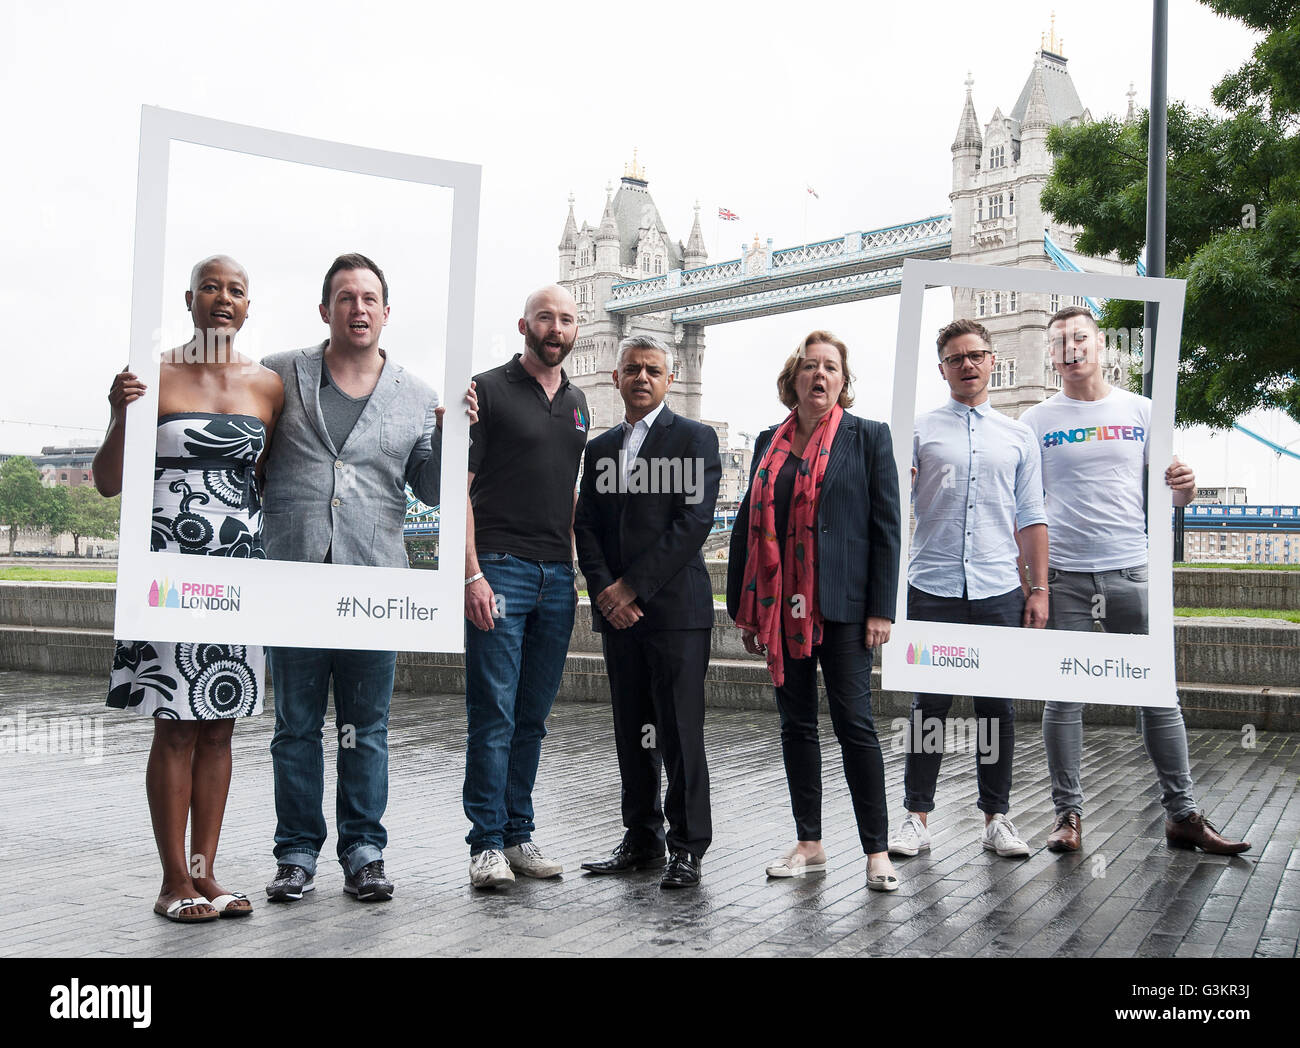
(656, 681)
(846, 669)
(992, 770)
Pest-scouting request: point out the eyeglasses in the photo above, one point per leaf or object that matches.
(976, 357)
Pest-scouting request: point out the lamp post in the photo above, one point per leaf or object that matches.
(1157, 151)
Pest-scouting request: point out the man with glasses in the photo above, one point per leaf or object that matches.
(977, 494)
(639, 542)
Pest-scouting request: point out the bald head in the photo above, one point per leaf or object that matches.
(554, 296)
(221, 260)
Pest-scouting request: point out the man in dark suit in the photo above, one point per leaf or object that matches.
(645, 507)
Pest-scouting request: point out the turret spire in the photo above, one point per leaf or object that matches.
(968, 127)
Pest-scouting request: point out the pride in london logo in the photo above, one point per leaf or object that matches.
(162, 594)
(953, 656)
(209, 596)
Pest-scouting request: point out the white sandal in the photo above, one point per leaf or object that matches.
(222, 903)
(173, 910)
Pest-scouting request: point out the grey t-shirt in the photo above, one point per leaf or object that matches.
(340, 410)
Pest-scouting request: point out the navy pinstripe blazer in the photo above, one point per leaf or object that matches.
(858, 518)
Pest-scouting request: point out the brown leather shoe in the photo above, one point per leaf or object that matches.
(1195, 831)
(1067, 833)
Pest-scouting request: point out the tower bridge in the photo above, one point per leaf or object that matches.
(763, 281)
(628, 275)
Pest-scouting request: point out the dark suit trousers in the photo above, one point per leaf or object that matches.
(656, 680)
(846, 669)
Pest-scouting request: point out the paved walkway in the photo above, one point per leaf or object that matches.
(80, 873)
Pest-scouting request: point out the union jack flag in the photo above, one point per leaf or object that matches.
(727, 216)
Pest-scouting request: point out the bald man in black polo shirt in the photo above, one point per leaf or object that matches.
(519, 593)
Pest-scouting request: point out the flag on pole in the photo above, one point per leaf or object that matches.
(813, 192)
(727, 216)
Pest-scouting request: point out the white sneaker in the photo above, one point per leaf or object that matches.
(912, 837)
(528, 859)
(1000, 836)
(489, 869)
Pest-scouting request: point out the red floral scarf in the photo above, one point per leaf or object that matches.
(779, 596)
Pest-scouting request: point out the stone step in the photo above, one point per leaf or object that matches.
(732, 683)
(1193, 587)
(1231, 651)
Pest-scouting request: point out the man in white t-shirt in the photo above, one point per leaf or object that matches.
(1093, 441)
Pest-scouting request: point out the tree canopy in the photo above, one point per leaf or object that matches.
(1233, 220)
(23, 502)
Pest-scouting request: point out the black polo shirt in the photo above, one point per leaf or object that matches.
(525, 456)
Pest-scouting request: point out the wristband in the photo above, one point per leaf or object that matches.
(473, 578)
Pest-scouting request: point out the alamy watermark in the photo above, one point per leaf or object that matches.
(658, 476)
(65, 736)
(918, 734)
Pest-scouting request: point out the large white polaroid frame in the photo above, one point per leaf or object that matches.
(1017, 662)
(283, 602)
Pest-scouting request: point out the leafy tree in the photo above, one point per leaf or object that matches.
(1233, 221)
(56, 513)
(23, 500)
(93, 516)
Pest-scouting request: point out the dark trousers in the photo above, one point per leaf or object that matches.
(846, 669)
(656, 682)
(921, 770)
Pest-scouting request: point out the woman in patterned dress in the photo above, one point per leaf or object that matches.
(216, 412)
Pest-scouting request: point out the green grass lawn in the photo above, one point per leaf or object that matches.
(23, 573)
(1248, 613)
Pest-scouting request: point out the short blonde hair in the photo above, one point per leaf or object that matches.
(785, 380)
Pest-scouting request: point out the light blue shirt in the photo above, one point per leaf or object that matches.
(978, 476)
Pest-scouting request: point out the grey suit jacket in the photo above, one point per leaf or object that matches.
(351, 500)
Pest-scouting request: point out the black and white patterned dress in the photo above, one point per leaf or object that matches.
(205, 503)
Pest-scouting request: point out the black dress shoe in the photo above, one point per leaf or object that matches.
(627, 857)
(289, 883)
(369, 884)
(683, 871)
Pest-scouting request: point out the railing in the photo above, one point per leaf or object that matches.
(811, 292)
(853, 249)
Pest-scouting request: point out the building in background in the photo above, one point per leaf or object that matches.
(631, 242)
(1238, 533)
(998, 174)
(1220, 496)
(70, 467)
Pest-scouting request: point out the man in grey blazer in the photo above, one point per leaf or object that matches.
(356, 429)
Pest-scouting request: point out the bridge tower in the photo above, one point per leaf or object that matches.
(631, 242)
(997, 178)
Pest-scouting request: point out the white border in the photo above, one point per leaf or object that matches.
(283, 602)
(1020, 663)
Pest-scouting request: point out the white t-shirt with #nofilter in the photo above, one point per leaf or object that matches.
(1093, 453)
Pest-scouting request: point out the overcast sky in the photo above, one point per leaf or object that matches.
(741, 108)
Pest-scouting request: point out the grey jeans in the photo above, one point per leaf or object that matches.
(1117, 602)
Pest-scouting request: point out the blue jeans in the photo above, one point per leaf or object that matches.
(512, 674)
(1117, 601)
(363, 690)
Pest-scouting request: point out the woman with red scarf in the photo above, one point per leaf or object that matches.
(813, 578)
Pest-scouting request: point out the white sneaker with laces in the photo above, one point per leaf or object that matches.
(1000, 836)
(489, 869)
(912, 837)
(527, 858)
